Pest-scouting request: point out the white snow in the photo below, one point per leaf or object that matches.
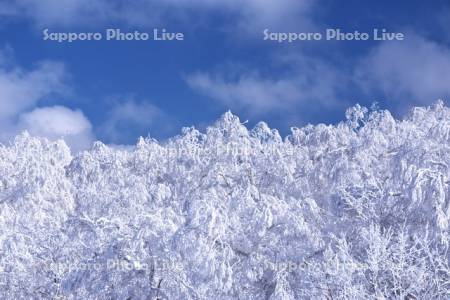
(359, 210)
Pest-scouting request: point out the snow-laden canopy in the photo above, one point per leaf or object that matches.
(359, 210)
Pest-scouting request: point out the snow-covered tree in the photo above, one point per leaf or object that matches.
(357, 210)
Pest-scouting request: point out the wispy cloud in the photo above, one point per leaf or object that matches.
(404, 73)
(414, 71)
(310, 85)
(248, 15)
(22, 90)
(128, 118)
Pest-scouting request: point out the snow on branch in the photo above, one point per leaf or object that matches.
(359, 210)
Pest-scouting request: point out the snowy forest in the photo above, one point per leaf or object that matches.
(355, 210)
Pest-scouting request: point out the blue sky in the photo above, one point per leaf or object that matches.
(116, 91)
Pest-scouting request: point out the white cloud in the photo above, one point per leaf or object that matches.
(255, 15)
(249, 92)
(311, 85)
(416, 71)
(250, 14)
(22, 90)
(411, 72)
(59, 122)
(280, 15)
(128, 116)
(21, 95)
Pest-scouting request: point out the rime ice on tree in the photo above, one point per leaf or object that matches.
(359, 210)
